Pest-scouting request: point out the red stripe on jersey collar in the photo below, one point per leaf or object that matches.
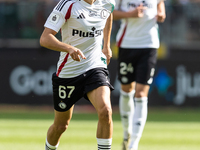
(68, 14)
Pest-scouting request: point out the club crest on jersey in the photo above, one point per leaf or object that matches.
(104, 13)
(54, 18)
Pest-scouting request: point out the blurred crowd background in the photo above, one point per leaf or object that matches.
(26, 67)
(24, 19)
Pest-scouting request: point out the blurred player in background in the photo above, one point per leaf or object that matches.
(138, 41)
(82, 66)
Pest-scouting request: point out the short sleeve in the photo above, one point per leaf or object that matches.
(57, 17)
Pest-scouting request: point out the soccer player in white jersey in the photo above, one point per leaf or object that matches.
(82, 66)
(138, 41)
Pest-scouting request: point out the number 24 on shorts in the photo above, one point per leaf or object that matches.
(125, 68)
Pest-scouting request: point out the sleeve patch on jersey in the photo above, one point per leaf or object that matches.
(54, 18)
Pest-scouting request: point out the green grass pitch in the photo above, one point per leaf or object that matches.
(166, 129)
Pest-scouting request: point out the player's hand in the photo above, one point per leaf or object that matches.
(76, 53)
(160, 17)
(108, 53)
(138, 12)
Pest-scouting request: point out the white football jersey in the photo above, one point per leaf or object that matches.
(138, 32)
(81, 26)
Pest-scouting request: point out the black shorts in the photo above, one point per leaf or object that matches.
(67, 91)
(136, 65)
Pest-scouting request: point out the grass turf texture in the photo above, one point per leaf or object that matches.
(166, 129)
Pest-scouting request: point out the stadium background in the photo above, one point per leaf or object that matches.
(26, 67)
(26, 109)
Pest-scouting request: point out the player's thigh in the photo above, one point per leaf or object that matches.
(146, 66)
(63, 118)
(98, 88)
(141, 90)
(100, 98)
(127, 59)
(66, 92)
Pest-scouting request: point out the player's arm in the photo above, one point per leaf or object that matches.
(106, 38)
(161, 15)
(138, 12)
(49, 41)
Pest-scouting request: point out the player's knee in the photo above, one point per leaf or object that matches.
(140, 94)
(60, 128)
(105, 114)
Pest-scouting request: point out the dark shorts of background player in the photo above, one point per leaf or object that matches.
(143, 62)
(67, 91)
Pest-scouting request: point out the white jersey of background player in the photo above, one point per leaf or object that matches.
(138, 41)
(142, 32)
(82, 31)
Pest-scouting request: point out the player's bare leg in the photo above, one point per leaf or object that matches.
(100, 99)
(140, 114)
(61, 122)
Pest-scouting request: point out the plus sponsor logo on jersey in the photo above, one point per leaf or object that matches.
(144, 3)
(94, 33)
